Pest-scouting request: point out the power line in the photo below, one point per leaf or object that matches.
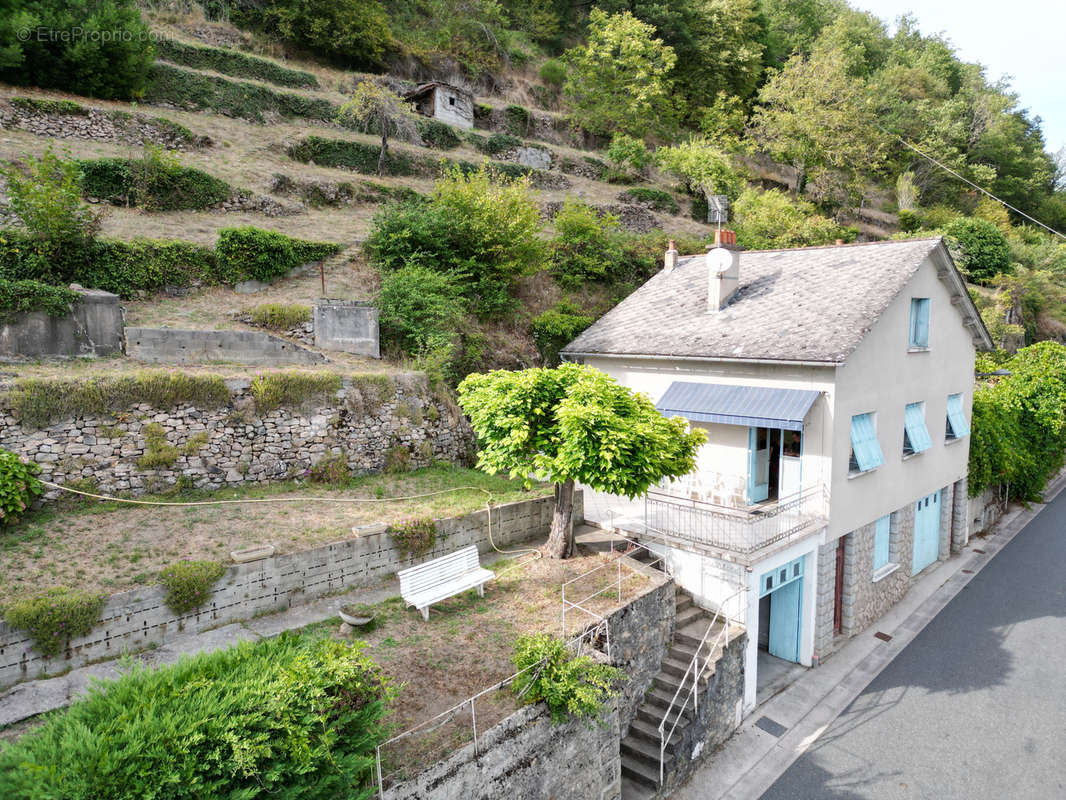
(946, 168)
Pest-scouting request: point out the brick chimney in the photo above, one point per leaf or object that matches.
(723, 270)
(670, 261)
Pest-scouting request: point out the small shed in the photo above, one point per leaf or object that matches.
(444, 102)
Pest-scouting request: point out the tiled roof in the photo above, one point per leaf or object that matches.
(809, 304)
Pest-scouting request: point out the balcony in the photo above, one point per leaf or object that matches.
(737, 532)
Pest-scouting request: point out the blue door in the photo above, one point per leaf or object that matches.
(785, 587)
(926, 532)
(758, 464)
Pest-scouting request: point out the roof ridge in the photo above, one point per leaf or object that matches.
(831, 246)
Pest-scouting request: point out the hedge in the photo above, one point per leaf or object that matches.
(658, 199)
(438, 134)
(169, 188)
(249, 252)
(292, 716)
(194, 90)
(232, 62)
(29, 295)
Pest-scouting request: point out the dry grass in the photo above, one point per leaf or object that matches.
(110, 547)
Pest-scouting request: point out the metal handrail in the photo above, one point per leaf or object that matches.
(697, 673)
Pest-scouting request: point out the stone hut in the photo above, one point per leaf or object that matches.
(444, 102)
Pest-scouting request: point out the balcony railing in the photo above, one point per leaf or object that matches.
(736, 529)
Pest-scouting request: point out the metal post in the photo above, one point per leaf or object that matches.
(473, 721)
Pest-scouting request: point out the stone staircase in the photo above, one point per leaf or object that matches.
(640, 748)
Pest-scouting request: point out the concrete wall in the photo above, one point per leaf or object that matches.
(93, 328)
(348, 326)
(453, 107)
(133, 620)
(527, 757)
(170, 346)
(234, 444)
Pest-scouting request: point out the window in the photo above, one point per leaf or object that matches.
(915, 434)
(881, 534)
(955, 426)
(865, 449)
(451, 101)
(919, 337)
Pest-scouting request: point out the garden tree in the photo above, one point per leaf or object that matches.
(629, 152)
(820, 119)
(574, 424)
(382, 111)
(619, 79)
(701, 166)
(980, 248)
(97, 48)
(771, 219)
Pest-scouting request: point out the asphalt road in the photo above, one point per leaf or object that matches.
(975, 706)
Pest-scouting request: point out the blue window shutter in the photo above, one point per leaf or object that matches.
(914, 420)
(864, 443)
(919, 322)
(957, 417)
(881, 533)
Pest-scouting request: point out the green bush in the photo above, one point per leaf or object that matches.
(293, 389)
(571, 686)
(42, 105)
(189, 583)
(420, 308)
(587, 245)
(28, 295)
(127, 267)
(629, 152)
(772, 220)
(414, 536)
(55, 617)
(292, 716)
(659, 199)
(980, 248)
(553, 73)
(198, 91)
(555, 328)
(158, 452)
(331, 469)
(278, 317)
(519, 120)
(95, 48)
(155, 182)
(910, 220)
(437, 134)
(498, 143)
(18, 487)
(248, 252)
(37, 402)
(232, 62)
(355, 156)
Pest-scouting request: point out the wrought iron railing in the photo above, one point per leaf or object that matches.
(735, 529)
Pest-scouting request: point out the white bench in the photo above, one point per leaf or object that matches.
(442, 578)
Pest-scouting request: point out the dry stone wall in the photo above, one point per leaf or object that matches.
(234, 444)
(137, 619)
(98, 125)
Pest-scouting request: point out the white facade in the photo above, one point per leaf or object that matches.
(446, 103)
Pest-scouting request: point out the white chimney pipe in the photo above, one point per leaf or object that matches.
(723, 276)
(670, 260)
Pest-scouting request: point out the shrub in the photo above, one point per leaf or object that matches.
(189, 583)
(414, 536)
(770, 219)
(659, 199)
(397, 459)
(27, 295)
(553, 73)
(197, 91)
(37, 402)
(629, 152)
(232, 62)
(519, 120)
(43, 105)
(55, 617)
(108, 58)
(158, 452)
(18, 487)
(277, 389)
(571, 686)
(291, 716)
(331, 469)
(437, 134)
(156, 182)
(126, 268)
(498, 143)
(420, 308)
(980, 247)
(587, 246)
(910, 221)
(555, 328)
(249, 252)
(355, 156)
(277, 317)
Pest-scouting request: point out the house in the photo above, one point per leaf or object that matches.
(444, 102)
(834, 385)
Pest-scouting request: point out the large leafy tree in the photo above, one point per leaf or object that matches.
(574, 424)
(620, 79)
(381, 110)
(701, 166)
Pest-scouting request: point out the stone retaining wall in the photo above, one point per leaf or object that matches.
(98, 125)
(234, 445)
(526, 757)
(984, 511)
(136, 619)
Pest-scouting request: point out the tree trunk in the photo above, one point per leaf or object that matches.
(561, 539)
(384, 149)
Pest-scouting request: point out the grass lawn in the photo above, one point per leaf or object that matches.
(110, 546)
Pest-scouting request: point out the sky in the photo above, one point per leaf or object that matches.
(1022, 39)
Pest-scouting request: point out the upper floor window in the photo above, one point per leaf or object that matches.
(919, 336)
(915, 434)
(865, 449)
(955, 426)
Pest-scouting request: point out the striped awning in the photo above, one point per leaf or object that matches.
(753, 406)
